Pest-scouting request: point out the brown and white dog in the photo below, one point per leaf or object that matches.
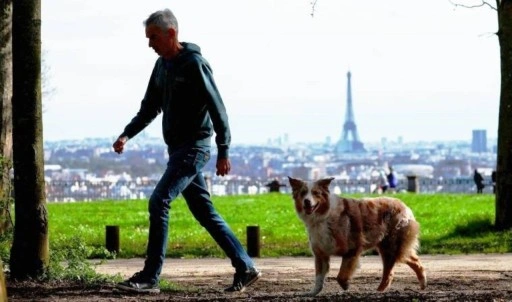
(346, 227)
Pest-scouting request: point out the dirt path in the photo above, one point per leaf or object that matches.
(450, 278)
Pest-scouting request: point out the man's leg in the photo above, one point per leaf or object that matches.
(199, 203)
(158, 206)
(181, 169)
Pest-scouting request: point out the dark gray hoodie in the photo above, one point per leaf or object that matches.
(184, 90)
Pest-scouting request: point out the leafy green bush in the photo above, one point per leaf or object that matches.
(70, 262)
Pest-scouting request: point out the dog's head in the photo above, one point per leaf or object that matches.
(311, 197)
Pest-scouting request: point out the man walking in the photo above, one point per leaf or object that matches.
(181, 86)
(479, 182)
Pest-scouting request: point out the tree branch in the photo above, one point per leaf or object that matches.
(313, 5)
(484, 3)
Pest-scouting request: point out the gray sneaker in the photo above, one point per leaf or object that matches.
(243, 280)
(139, 284)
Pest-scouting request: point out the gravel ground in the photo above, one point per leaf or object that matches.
(450, 278)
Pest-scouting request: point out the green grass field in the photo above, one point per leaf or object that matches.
(450, 224)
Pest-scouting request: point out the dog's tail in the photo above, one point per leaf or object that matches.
(409, 228)
(405, 218)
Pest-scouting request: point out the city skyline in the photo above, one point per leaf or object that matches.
(280, 70)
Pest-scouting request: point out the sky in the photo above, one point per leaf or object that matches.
(421, 70)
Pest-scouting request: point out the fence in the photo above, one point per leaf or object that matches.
(69, 191)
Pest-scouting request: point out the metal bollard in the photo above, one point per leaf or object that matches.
(253, 241)
(413, 185)
(112, 238)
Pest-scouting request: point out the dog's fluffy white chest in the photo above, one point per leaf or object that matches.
(321, 237)
(320, 230)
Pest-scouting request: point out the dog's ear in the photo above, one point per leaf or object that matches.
(295, 183)
(325, 183)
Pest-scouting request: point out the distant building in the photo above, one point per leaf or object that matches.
(286, 138)
(349, 141)
(384, 142)
(479, 142)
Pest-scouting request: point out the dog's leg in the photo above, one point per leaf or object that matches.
(321, 269)
(414, 262)
(348, 266)
(388, 261)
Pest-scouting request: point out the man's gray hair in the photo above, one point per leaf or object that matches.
(164, 19)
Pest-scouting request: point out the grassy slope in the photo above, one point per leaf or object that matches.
(451, 224)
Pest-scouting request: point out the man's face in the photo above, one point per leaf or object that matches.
(160, 40)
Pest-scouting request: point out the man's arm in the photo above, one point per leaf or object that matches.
(149, 109)
(218, 115)
(216, 109)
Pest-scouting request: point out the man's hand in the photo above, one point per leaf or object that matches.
(223, 166)
(119, 144)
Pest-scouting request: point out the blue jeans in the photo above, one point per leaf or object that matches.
(183, 175)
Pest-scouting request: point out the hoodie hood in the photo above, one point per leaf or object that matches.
(185, 54)
(187, 50)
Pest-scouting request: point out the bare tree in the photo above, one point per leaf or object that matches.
(29, 253)
(504, 163)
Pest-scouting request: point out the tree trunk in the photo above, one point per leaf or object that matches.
(3, 287)
(504, 164)
(29, 253)
(5, 113)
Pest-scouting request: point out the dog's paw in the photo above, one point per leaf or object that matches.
(423, 282)
(343, 283)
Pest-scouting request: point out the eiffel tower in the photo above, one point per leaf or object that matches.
(349, 141)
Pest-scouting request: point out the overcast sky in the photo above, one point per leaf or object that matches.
(422, 70)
